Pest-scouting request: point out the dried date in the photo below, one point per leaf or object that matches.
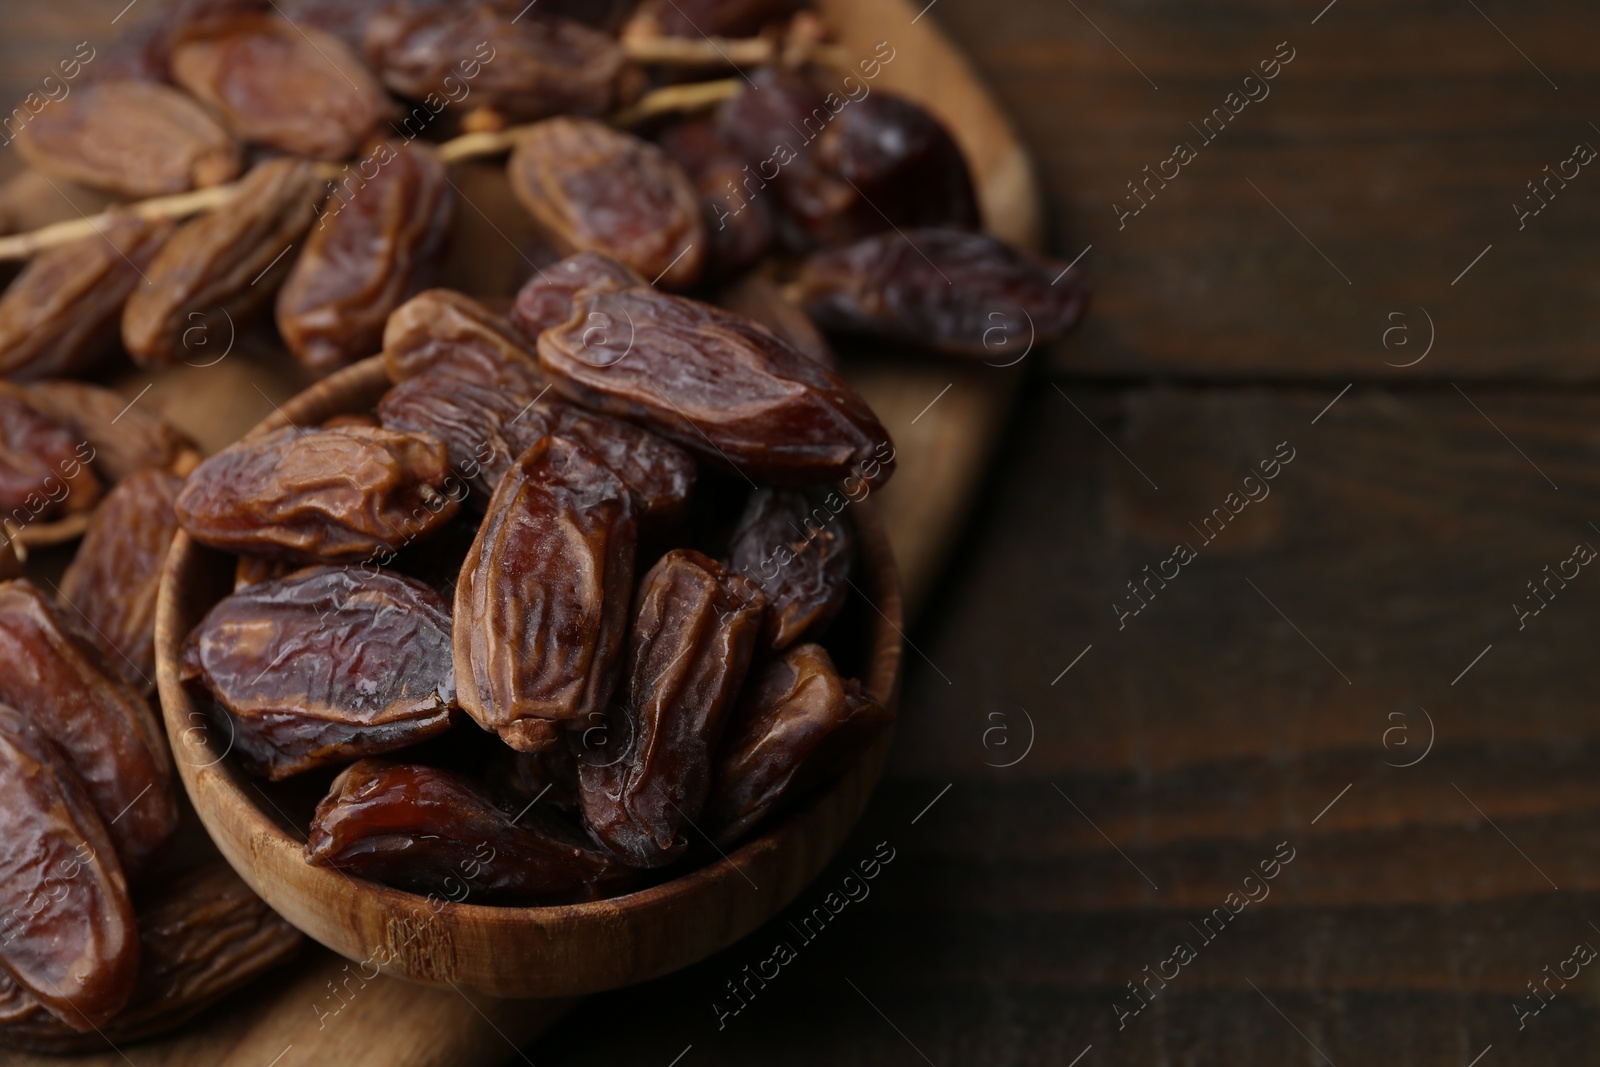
(693, 636)
(524, 68)
(800, 551)
(756, 298)
(739, 226)
(448, 332)
(124, 437)
(134, 139)
(221, 267)
(344, 495)
(718, 384)
(44, 467)
(62, 314)
(966, 294)
(592, 188)
(202, 936)
(372, 248)
(545, 302)
(546, 585)
(432, 831)
(67, 937)
(115, 576)
(797, 724)
(102, 724)
(326, 666)
(298, 90)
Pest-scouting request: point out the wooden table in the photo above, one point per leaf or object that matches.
(1361, 615)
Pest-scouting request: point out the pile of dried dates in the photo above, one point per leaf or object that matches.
(565, 613)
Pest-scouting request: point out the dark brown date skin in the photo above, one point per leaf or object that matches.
(693, 636)
(67, 934)
(592, 188)
(296, 89)
(345, 495)
(964, 294)
(327, 665)
(546, 587)
(797, 725)
(739, 226)
(218, 269)
(444, 331)
(44, 467)
(756, 298)
(718, 384)
(133, 139)
(545, 302)
(126, 438)
(436, 832)
(63, 313)
(481, 54)
(372, 248)
(202, 936)
(800, 552)
(101, 724)
(115, 576)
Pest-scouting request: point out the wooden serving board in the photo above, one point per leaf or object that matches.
(945, 418)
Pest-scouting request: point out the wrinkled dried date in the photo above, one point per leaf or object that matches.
(201, 937)
(797, 724)
(131, 138)
(693, 636)
(432, 831)
(592, 188)
(326, 666)
(219, 268)
(105, 728)
(344, 495)
(545, 302)
(44, 467)
(373, 247)
(63, 313)
(115, 576)
(448, 332)
(67, 934)
(967, 294)
(800, 552)
(295, 89)
(546, 585)
(125, 438)
(524, 68)
(719, 385)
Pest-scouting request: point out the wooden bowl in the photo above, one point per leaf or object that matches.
(512, 952)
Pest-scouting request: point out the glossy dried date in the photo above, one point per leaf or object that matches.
(800, 551)
(966, 294)
(592, 188)
(797, 724)
(134, 139)
(693, 636)
(125, 437)
(524, 68)
(436, 832)
(719, 385)
(546, 587)
(104, 727)
(115, 576)
(372, 248)
(202, 936)
(545, 302)
(449, 332)
(327, 665)
(63, 313)
(44, 467)
(67, 935)
(218, 269)
(299, 90)
(345, 495)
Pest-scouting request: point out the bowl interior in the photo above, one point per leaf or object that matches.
(563, 950)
